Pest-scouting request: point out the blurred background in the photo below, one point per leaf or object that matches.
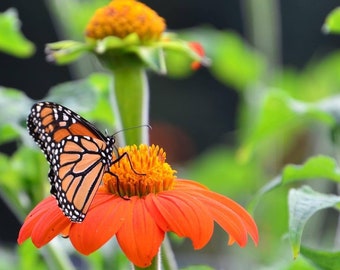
(192, 114)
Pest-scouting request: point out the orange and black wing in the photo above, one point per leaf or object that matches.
(49, 123)
(78, 165)
(78, 154)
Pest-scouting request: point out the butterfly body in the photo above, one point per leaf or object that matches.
(77, 152)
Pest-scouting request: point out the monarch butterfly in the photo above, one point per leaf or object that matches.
(77, 152)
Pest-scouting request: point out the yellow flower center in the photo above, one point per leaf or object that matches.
(141, 171)
(123, 17)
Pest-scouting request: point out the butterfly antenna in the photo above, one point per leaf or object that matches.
(129, 128)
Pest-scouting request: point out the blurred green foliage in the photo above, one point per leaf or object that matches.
(332, 22)
(12, 40)
(287, 134)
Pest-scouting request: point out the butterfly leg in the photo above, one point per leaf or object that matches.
(125, 154)
(118, 188)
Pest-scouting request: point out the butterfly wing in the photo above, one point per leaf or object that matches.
(77, 152)
(49, 123)
(78, 166)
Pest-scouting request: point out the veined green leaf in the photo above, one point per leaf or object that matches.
(303, 203)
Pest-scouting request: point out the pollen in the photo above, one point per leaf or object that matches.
(123, 17)
(139, 171)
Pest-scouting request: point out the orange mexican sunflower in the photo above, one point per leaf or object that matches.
(128, 30)
(147, 205)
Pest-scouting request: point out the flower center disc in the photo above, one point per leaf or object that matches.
(142, 170)
(123, 17)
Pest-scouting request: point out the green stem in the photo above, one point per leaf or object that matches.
(130, 102)
(263, 28)
(56, 257)
(169, 260)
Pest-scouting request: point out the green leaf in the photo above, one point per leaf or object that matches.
(88, 97)
(332, 22)
(281, 114)
(24, 173)
(12, 40)
(179, 56)
(303, 203)
(112, 42)
(320, 79)
(66, 51)
(178, 64)
(79, 95)
(326, 260)
(299, 263)
(315, 168)
(8, 133)
(152, 57)
(233, 62)
(31, 167)
(14, 108)
(14, 104)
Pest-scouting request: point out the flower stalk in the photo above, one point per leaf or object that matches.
(130, 103)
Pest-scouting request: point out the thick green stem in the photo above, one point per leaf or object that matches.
(130, 102)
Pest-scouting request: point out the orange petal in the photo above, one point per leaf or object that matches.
(232, 217)
(247, 219)
(183, 214)
(31, 219)
(140, 237)
(48, 224)
(105, 216)
(194, 188)
(42, 233)
(184, 184)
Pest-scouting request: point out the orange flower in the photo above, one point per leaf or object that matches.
(157, 202)
(123, 17)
